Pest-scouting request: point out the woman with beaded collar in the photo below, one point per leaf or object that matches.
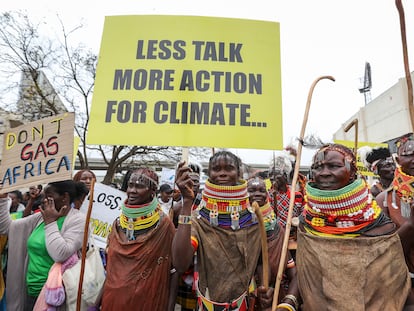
(397, 201)
(139, 250)
(224, 235)
(349, 256)
(289, 292)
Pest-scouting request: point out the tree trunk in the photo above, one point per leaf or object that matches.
(110, 174)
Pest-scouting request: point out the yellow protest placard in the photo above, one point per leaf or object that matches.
(362, 169)
(188, 81)
(38, 152)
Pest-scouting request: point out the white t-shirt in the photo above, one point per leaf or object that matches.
(20, 207)
(165, 206)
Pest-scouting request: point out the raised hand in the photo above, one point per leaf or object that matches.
(49, 211)
(184, 181)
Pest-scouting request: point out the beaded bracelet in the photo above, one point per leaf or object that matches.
(184, 220)
(286, 306)
(293, 299)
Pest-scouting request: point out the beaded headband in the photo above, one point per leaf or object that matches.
(139, 178)
(255, 181)
(349, 158)
(406, 148)
(385, 162)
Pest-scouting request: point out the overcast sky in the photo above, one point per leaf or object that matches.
(320, 37)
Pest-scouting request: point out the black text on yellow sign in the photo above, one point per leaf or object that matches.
(184, 76)
(185, 112)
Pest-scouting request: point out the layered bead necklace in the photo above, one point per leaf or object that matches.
(226, 206)
(402, 186)
(269, 216)
(138, 219)
(348, 211)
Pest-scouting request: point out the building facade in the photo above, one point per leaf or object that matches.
(383, 120)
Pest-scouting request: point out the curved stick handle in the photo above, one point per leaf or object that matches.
(292, 194)
(347, 128)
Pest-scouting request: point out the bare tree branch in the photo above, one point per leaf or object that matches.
(25, 52)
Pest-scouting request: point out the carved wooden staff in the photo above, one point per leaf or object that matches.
(84, 246)
(263, 238)
(349, 126)
(265, 253)
(292, 194)
(400, 9)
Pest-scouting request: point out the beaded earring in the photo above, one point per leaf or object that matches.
(405, 209)
(214, 215)
(253, 213)
(235, 216)
(130, 230)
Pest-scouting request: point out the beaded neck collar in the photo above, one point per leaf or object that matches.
(225, 199)
(226, 206)
(135, 211)
(138, 219)
(269, 216)
(403, 184)
(347, 209)
(403, 187)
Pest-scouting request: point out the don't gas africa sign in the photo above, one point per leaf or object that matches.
(38, 152)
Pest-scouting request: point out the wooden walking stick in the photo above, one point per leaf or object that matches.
(292, 194)
(400, 9)
(265, 253)
(84, 246)
(263, 238)
(349, 126)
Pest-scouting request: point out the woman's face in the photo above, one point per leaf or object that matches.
(87, 178)
(331, 172)
(139, 190)
(224, 172)
(386, 168)
(407, 163)
(406, 157)
(59, 200)
(280, 181)
(257, 191)
(166, 196)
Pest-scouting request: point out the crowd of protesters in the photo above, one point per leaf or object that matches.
(175, 246)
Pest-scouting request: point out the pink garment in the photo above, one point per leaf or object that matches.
(52, 294)
(54, 290)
